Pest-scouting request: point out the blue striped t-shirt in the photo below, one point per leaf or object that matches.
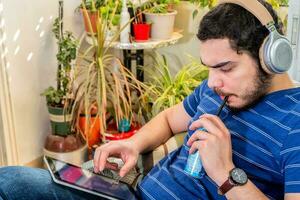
(265, 143)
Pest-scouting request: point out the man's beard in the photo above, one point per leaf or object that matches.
(251, 97)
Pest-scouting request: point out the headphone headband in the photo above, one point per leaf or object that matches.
(275, 53)
(256, 8)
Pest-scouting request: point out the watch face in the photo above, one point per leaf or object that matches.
(238, 176)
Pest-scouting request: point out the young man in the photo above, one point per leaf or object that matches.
(258, 131)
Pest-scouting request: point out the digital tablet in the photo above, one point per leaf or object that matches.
(75, 177)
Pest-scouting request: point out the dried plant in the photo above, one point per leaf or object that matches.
(103, 84)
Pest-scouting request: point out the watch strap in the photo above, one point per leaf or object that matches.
(226, 186)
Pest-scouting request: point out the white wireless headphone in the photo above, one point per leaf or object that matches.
(275, 53)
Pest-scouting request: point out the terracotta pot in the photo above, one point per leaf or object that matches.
(93, 16)
(113, 134)
(93, 134)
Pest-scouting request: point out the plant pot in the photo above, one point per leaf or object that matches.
(162, 25)
(141, 32)
(113, 134)
(93, 134)
(60, 144)
(76, 157)
(60, 121)
(93, 17)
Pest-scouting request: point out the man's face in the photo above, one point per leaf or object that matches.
(232, 74)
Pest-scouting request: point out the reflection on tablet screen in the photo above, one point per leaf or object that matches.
(88, 180)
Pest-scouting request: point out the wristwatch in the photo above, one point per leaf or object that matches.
(237, 177)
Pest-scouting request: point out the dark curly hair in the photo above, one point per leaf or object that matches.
(242, 28)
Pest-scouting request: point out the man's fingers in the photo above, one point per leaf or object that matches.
(211, 123)
(205, 123)
(128, 165)
(216, 120)
(96, 160)
(103, 160)
(198, 135)
(196, 145)
(196, 124)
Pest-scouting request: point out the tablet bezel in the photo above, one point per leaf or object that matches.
(58, 181)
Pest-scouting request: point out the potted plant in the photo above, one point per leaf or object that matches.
(161, 16)
(59, 101)
(111, 9)
(104, 88)
(91, 9)
(91, 13)
(165, 90)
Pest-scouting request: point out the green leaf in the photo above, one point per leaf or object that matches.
(195, 13)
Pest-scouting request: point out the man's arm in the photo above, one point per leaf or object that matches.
(159, 129)
(216, 156)
(250, 191)
(292, 196)
(154, 133)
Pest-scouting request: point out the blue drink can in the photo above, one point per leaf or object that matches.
(194, 164)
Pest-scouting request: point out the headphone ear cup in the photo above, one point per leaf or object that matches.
(262, 56)
(280, 55)
(276, 54)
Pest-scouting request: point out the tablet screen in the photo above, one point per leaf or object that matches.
(85, 179)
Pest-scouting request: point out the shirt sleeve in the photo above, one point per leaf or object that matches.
(290, 155)
(191, 102)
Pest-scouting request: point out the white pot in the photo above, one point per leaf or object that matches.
(76, 157)
(162, 25)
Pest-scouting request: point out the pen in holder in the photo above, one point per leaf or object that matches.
(141, 29)
(194, 163)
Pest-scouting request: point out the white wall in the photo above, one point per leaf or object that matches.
(293, 33)
(2, 153)
(31, 67)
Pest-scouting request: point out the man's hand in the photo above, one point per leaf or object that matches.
(214, 147)
(123, 149)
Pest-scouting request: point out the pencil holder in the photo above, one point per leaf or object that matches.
(141, 32)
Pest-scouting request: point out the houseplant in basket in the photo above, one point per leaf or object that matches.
(166, 90)
(105, 91)
(59, 101)
(161, 15)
